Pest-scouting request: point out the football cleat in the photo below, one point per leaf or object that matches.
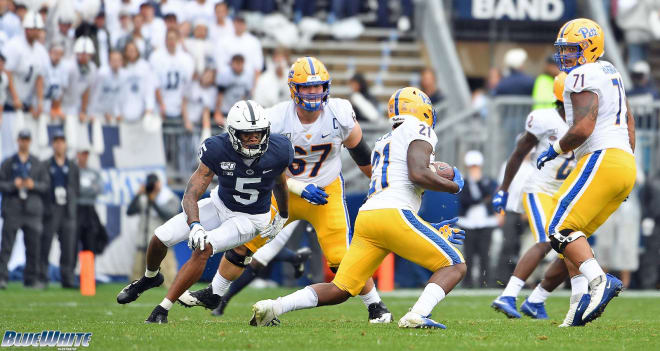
(204, 297)
(535, 310)
(506, 305)
(378, 313)
(575, 311)
(601, 291)
(133, 290)
(302, 255)
(220, 310)
(157, 316)
(263, 314)
(416, 320)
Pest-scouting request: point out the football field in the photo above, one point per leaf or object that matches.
(630, 323)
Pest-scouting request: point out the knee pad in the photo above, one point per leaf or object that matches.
(238, 259)
(560, 239)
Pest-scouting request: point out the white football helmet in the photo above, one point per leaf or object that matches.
(32, 20)
(244, 117)
(84, 45)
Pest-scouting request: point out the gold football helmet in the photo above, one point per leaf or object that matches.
(410, 101)
(308, 71)
(579, 41)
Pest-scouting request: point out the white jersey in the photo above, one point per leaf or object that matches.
(390, 186)
(25, 62)
(4, 88)
(548, 126)
(173, 76)
(56, 80)
(137, 90)
(80, 79)
(234, 87)
(200, 98)
(611, 130)
(317, 145)
(106, 92)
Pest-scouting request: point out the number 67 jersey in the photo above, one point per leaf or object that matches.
(390, 186)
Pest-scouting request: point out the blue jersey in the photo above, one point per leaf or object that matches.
(242, 187)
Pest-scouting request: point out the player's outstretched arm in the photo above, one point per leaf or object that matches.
(197, 185)
(631, 126)
(281, 193)
(419, 154)
(585, 113)
(523, 147)
(359, 150)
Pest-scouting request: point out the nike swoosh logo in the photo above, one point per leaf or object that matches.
(534, 312)
(266, 171)
(323, 136)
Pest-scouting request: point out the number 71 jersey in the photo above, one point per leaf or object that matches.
(317, 146)
(390, 186)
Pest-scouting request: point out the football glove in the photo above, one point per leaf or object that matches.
(447, 228)
(458, 179)
(274, 227)
(547, 155)
(314, 194)
(499, 201)
(197, 237)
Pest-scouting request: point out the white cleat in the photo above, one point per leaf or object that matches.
(596, 290)
(570, 315)
(263, 314)
(188, 300)
(416, 320)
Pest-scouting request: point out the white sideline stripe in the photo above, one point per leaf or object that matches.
(523, 293)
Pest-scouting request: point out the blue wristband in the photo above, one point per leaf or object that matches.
(193, 224)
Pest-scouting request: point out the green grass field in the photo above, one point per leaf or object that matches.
(630, 323)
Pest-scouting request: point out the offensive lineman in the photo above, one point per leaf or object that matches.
(602, 135)
(387, 222)
(249, 163)
(542, 128)
(318, 126)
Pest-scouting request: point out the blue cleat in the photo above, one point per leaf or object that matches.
(506, 305)
(602, 290)
(574, 316)
(535, 310)
(415, 320)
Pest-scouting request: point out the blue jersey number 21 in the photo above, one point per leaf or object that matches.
(375, 163)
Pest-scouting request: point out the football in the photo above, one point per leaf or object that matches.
(442, 169)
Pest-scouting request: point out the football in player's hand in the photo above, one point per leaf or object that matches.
(442, 169)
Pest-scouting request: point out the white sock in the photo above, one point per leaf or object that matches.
(579, 285)
(432, 294)
(591, 269)
(299, 300)
(538, 295)
(370, 297)
(219, 284)
(166, 304)
(151, 274)
(513, 287)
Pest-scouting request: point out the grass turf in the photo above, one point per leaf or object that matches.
(628, 324)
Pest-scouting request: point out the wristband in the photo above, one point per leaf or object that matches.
(557, 148)
(295, 186)
(193, 224)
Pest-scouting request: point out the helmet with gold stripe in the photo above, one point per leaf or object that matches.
(307, 72)
(579, 41)
(410, 101)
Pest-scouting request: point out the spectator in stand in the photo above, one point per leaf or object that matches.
(199, 47)
(105, 99)
(124, 28)
(403, 23)
(201, 100)
(91, 231)
(543, 92)
(477, 217)
(222, 27)
(171, 22)
(303, 8)
(634, 20)
(173, 7)
(56, 80)
(234, 84)
(64, 33)
(61, 204)
(429, 86)
(103, 43)
(198, 10)
(137, 86)
(362, 101)
(515, 81)
(642, 82)
(82, 75)
(10, 24)
(23, 184)
(341, 9)
(135, 35)
(272, 86)
(248, 46)
(649, 265)
(153, 29)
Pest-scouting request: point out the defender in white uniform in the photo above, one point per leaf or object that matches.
(543, 127)
(388, 222)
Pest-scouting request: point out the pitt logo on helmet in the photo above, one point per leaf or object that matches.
(410, 101)
(579, 41)
(305, 72)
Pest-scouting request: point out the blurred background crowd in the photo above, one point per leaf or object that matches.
(75, 75)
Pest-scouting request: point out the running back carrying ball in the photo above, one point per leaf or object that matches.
(442, 169)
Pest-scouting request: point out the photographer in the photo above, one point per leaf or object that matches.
(155, 205)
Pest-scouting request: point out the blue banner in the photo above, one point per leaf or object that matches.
(515, 10)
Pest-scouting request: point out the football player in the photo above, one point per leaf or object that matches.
(249, 162)
(388, 221)
(318, 126)
(602, 135)
(542, 127)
